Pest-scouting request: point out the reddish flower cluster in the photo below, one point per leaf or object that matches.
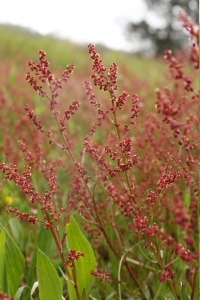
(101, 113)
(104, 166)
(112, 154)
(72, 108)
(129, 163)
(184, 254)
(121, 100)
(193, 30)
(166, 274)
(73, 256)
(102, 274)
(167, 179)
(105, 82)
(140, 222)
(21, 181)
(126, 146)
(135, 108)
(33, 117)
(152, 196)
(98, 68)
(88, 91)
(27, 188)
(42, 72)
(178, 71)
(4, 296)
(69, 70)
(124, 199)
(22, 216)
(179, 249)
(112, 75)
(82, 172)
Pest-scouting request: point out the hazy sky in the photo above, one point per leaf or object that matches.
(78, 20)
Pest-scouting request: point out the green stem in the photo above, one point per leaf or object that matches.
(75, 281)
(59, 247)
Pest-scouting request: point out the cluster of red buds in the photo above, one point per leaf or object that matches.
(42, 72)
(107, 82)
(167, 180)
(82, 171)
(166, 274)
(193, 30)
(178, 71)
(98, 68)
(73, 256)
(185, 254)
(152, 196)
(102, 274)
(121, 100)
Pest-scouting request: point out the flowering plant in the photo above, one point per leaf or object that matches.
(131, 180)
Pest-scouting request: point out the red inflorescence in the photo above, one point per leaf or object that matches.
(102, 274)
(166, 274)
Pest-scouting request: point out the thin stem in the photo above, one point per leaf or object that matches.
(115, 229)
(59, 247)
(193, 284)
(160, 263)
(119, 268)
(75, 281)
(170, 282)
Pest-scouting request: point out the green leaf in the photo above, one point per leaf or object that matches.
(14, 263)
(2, 261)
(16, 229)
(84, 265)
(44, 243)
(19, 292)
(184, 294)
(49, 282)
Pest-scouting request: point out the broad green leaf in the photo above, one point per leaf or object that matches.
(84, 265)
(44, 243)
(14, 263)
(184, 294)
(49, 282)
(2, 261)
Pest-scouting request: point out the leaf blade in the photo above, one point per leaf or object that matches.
(15, 262)
(49, 282)
(84, 265)
(2, 261)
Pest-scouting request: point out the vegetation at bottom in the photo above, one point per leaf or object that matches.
(99, 169)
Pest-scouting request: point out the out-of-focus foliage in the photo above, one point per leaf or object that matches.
(160, 29)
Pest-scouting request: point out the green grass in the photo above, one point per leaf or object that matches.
(18, 44)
